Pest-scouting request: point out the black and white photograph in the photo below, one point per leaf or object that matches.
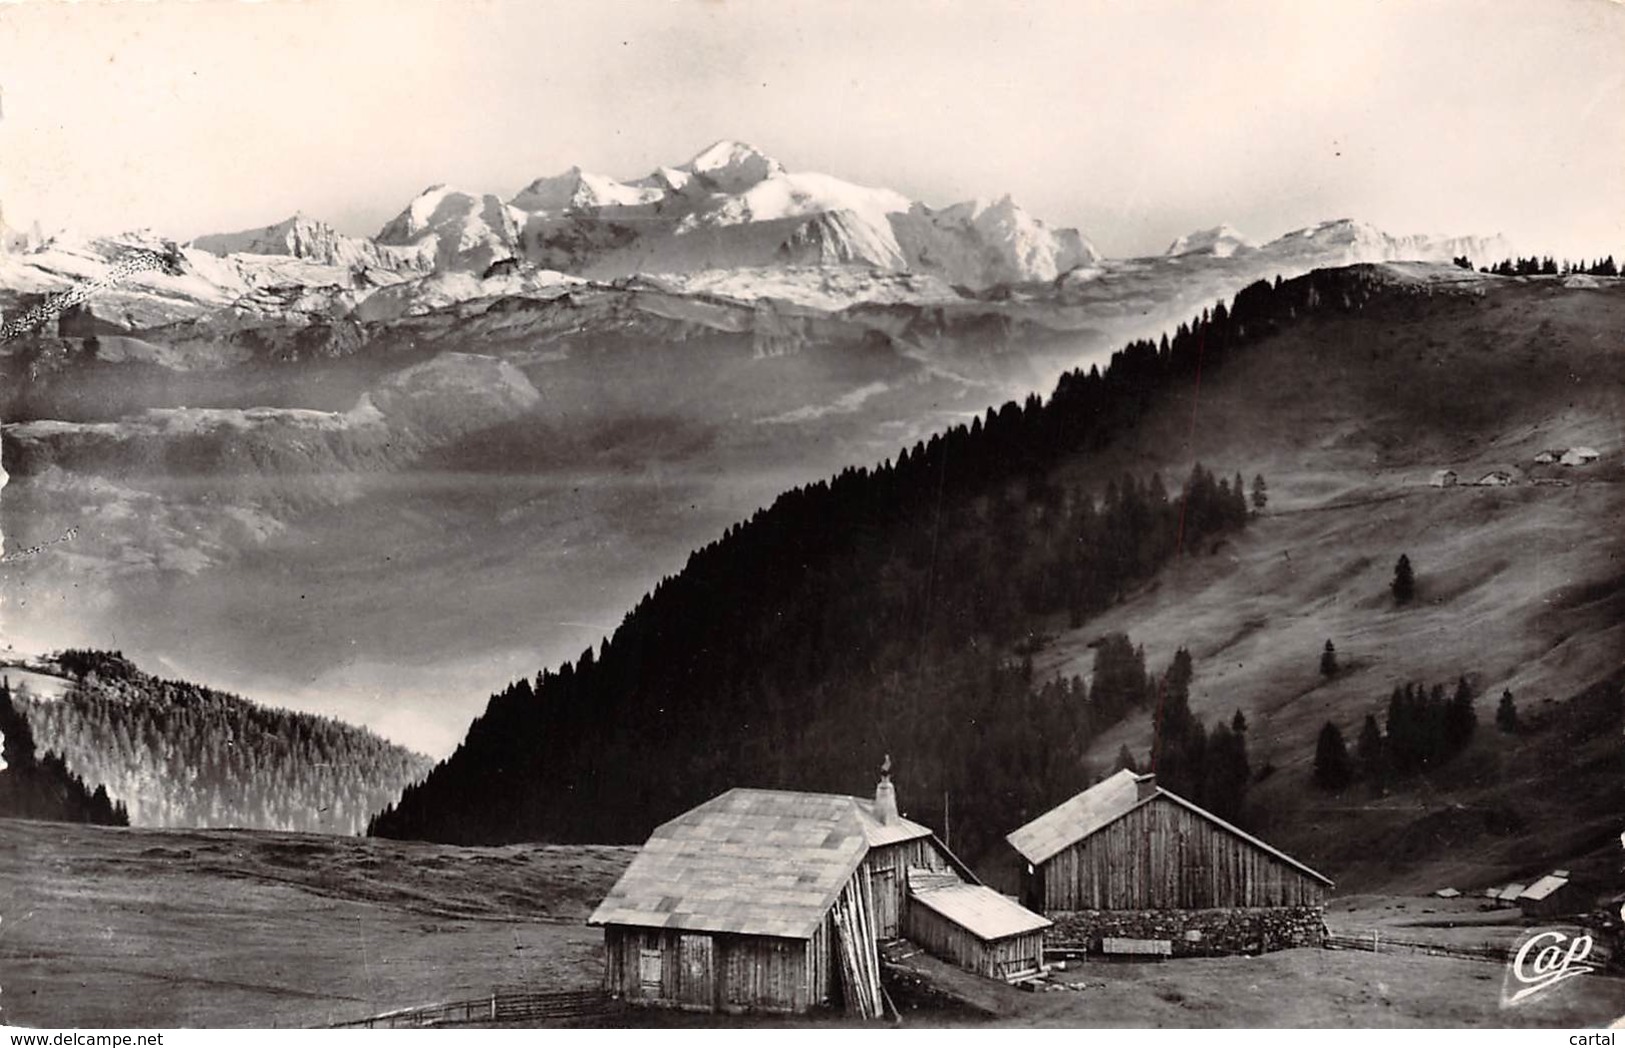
(811, 515)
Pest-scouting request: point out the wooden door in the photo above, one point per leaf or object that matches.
(651, 973)
(883, 886)
(696, 979)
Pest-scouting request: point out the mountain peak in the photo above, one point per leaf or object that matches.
(297, 236)
(455, 229)
(1221, 241)
(733, 166)
(575, 189)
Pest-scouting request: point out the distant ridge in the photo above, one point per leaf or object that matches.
(179, 754)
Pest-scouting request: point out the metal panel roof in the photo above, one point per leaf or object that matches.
(755, 862)
(981, 911)
(1511, 892)
(1543, 887)
(1103, 804)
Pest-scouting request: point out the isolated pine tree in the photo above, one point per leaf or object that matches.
(1125, 760)
(1404, 584)
(1261, 493)
(1506, 714)
(1332, 769)
(1238, 723)
(1328, 660)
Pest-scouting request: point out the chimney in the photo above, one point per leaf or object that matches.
(885, 795)
(1144, 786)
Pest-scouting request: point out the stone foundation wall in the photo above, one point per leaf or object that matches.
(1196, 933)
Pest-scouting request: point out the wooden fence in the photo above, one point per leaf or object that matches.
(1376, 942)
(499, 1006)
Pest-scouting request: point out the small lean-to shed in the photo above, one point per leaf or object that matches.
(1127, 844)
(974, 927)
(765, 900)
(1443, 478)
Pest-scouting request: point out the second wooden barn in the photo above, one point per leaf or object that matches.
(1125, 846)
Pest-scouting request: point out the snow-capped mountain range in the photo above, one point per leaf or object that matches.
(303, 237)
(732, 220)
(730, 206)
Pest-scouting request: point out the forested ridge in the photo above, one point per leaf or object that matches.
(180, 754)
(40, 786)
(883, 611)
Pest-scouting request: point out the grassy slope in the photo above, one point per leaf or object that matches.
(167, 928)
(1318, 988)
(1347, 415)
(160, 928)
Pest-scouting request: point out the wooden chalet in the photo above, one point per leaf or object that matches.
(773, 901)
(1127, 844)
(1551, 896)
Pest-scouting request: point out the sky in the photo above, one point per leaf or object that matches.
(1134, 122)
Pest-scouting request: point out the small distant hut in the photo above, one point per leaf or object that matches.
(1579, 456)
(1495, 478)
(1128, 859)
(1550, 896)
(773, 901)
(1549, 457)
(1507, 897)
(1444, 478)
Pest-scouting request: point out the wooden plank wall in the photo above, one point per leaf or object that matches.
(898, 858)
(1163, 856)
(953, 943)
(758, 973)
(740, 972)
(821, 979)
